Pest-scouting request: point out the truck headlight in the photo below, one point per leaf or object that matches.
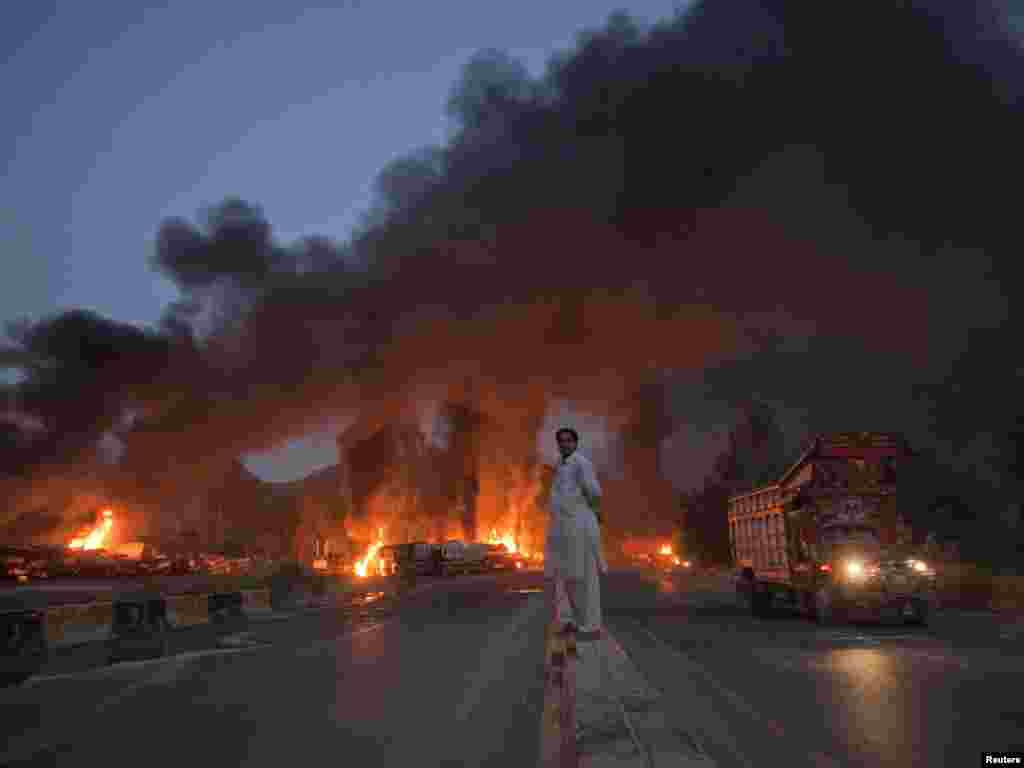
(855, 569)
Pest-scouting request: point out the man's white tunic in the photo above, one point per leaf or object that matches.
(573, 548)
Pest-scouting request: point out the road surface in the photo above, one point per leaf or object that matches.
(782, 691)
(454, 677)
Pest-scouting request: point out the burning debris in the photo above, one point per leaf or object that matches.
(97, 537)
(506, 540)
(668, 554)
(363, 567)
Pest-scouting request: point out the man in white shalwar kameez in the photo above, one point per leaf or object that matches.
(573, 548)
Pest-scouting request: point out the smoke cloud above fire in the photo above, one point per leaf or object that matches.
(783, 192)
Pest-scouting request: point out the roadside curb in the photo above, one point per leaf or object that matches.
(557, 724)
(621, 718)
(599, 710)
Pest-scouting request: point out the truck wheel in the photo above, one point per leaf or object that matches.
(824, 608)
(920, 617)
(806, 605)
(744, 590)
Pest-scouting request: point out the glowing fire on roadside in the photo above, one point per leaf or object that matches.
(507, 540)
(362, 568)
(98, 536)
(665, 550)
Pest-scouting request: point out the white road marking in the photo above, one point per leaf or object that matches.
(128, 666)
(319, 647)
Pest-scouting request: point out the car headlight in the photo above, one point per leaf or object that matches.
(920, 566)
(855, 569)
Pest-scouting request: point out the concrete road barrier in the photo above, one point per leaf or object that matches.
(224, 605)
(23, 649)
(188, 610)
(1008, 594)
(139, 628)
(76, 624)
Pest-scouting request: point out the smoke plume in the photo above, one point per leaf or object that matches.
(798, 188)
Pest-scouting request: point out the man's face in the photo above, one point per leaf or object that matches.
(566, 444)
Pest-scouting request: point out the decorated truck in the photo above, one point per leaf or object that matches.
(828, 539)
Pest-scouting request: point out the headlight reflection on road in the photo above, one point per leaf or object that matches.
(875, 706)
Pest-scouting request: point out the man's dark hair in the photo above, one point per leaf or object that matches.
(568, 431)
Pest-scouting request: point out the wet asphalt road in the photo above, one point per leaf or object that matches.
(782, 691)
(451, 677)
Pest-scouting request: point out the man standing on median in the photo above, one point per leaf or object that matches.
(573, 548)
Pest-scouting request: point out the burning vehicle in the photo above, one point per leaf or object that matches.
(500, 559)
(418, 559)
(504, 554)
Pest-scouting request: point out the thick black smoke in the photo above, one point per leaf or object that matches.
(817, 192)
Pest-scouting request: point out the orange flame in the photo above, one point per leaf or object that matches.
(95, 538)
(507, 540)
(665, 550)
(362, 567)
